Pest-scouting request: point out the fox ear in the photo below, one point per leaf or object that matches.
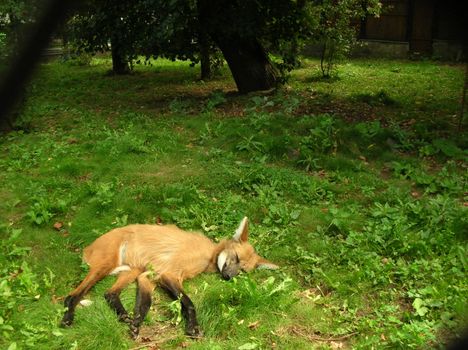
(265, 264)
(242, 232)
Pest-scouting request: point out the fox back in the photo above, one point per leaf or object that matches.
(162, 249)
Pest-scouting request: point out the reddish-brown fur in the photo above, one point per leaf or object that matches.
(164, 254)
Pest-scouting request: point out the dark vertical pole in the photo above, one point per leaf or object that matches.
(22, 65)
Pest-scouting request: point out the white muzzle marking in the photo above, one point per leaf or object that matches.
(221, 260)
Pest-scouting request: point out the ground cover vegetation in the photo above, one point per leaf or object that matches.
(355, 185)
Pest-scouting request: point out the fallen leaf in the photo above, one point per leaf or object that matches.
(58, 225)
(254, 325)
(240, 322)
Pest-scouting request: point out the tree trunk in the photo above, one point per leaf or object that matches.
(249, 64)
(119, 62)
(205, 64)
(247, 59)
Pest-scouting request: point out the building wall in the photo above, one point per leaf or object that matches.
(416, 27)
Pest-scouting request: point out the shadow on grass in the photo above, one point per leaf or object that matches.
(318, 78)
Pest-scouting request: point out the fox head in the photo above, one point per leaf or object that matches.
(238, 255)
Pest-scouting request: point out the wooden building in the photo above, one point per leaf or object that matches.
(420, 27)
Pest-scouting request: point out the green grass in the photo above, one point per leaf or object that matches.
(356, 186)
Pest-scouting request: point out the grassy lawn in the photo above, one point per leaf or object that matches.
(356, 186)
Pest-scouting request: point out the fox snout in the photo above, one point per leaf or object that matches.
(229, 272)
(228, 264)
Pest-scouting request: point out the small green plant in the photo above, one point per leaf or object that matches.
(179, 106)
(102, 193)
(249, 144)
(216, 99)
(40, 211)
(211, 131)
(320, 140)
(323, 138)
(369, 130)
(259, 103)
(175, 310)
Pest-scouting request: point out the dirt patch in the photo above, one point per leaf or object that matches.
(314, 337)
(152, 337)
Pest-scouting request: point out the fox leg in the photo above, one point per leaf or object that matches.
(174, 288)
(93, 277)
(142, 303)
(112, 295)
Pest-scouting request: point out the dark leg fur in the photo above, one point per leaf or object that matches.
(113, 294)
(74, 297)
(70, 303)
(142, 306)
(192, 328)
(115, 304)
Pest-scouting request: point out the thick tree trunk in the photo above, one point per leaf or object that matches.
(249, 64)
(119, 62)
(247, 59)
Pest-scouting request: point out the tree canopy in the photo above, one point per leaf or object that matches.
(248, 33)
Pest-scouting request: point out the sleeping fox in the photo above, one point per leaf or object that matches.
(165, 255)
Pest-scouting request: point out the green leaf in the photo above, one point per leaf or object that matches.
(248, 346)
(418, 305)
(295, 214)
(57, 333)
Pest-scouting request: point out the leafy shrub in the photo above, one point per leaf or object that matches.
(321, 139)
(102, 193)
(19, 284)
